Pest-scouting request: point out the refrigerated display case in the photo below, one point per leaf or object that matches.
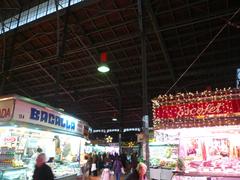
(13, 173)
(27, 128)
(213, 150)
(207, 126)
(163, 155)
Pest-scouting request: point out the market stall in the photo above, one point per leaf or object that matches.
(28, 128)
(163, 154)
(199, 132)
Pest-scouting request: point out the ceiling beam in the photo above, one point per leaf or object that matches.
(161, 41)
(213, 16)
(153, 63)
(153, 78)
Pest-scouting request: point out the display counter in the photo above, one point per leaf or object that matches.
(160, 174)
(204, 176)
(155, 173)
(28, 128)
(212, 151)
(13, 173)
(67, 169)
(206, 129)
(67, 177)
(163, 156)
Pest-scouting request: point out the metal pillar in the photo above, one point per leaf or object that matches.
(120, 119)
(145, 119)
(58, 53)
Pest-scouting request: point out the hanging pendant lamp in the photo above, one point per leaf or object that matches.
(103, 67)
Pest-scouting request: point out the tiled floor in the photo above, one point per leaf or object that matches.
(98, 178)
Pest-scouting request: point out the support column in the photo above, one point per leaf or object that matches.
(120, 119)
(145, 118)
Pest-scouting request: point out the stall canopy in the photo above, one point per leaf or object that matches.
(199, 109)
(21, 111)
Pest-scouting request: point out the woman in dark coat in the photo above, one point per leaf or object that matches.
(42, 171)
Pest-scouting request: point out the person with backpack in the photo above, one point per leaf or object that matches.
(117, 168)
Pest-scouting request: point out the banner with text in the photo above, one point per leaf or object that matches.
(198, 109)
(6, 110)
(44, 116)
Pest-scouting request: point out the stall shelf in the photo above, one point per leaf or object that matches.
(206, 126)
(28, 127)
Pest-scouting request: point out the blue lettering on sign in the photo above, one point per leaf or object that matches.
(44, 116)
(57, 121)
(34, 114)
(62, 123)
(50, 118)
(67, 125)
(72, 125)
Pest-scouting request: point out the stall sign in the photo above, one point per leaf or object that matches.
(44, 116)
(140, 137)
(113, 144)
(6, 109)
(196, 110)
(10, 139)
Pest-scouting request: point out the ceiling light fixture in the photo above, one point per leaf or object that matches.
(103, 67)
(114, 119)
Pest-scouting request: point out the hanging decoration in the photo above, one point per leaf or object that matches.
(208, 108)
(130, 144)
(109, 139)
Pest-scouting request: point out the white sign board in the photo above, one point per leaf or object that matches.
(44, 116)
(6, 110)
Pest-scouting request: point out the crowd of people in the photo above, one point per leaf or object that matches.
(104, 164)
(107, 165)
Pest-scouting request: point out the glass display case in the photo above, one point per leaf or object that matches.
(19, 148)
(164, 152)
(61, 170)
(65, 169)
(201, 152)
(211, 150)
(163, 155)
(30, 128)
(13, 173)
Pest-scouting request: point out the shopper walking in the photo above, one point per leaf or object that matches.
(94, 166)
(117, 168)
(106, 175)
(42, 171)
